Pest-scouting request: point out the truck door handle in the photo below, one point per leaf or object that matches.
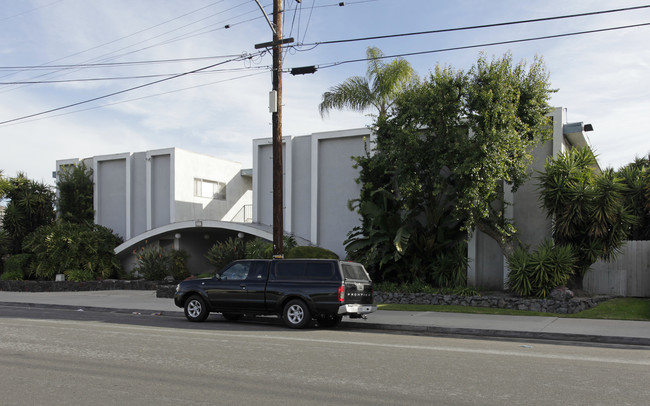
(243, 286)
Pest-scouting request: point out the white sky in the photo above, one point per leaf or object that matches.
(602, 78)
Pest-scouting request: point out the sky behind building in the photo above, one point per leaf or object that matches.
(124, 67)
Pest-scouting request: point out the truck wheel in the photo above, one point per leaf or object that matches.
(296, 314)
(232, 316)
(195, 309)
(329, 320)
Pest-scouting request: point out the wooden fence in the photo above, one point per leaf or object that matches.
(628, 275)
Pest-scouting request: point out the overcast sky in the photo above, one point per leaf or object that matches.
(602, 78)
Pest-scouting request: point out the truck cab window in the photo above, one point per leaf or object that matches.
(237, 271)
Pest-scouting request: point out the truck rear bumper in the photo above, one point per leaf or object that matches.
(357, 309)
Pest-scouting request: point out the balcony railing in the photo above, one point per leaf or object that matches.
(244, 215)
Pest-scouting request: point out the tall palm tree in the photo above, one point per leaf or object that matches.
(380, 87)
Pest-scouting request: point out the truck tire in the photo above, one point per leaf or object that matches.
(296, 314)
(196, 309)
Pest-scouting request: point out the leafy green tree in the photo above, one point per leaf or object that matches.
(75, 200)
(451, 146)
(382, 84)
(31, 205)
(590, 212)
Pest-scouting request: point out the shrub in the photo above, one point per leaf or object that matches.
(539, 272)
(310, 252)
(5, 246)
(411, 287)
(178, 264)
(12, 276)
(79, 275)
(152, 263)
(289, 242)
(223, 253)
(450, 267)
(259, 249)
(16, 267)
(61, 247)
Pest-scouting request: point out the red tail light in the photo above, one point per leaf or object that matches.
(342, 293)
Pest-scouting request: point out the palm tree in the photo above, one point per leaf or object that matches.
(380, 87)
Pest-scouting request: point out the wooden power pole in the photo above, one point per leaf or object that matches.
(275, 106)
(278, 206)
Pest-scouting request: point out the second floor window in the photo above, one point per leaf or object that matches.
(210, 189)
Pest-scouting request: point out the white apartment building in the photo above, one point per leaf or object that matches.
(186, 200)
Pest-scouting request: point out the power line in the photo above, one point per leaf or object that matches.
(135, 33)
(102, 79)
(30, 10)
(474, 27)
(243, 57)
(135, 99)
(114, 64)
(489, 44)
(130, 35)
(126, 90)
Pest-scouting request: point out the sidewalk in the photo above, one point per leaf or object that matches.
(435, 323)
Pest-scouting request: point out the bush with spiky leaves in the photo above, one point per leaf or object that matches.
(590, 211)
(537, 273)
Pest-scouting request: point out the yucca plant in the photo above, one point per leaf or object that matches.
(152, 262)
(224, 252)
(590, 210)
(539, 272)
(450, 267)
(519, 278)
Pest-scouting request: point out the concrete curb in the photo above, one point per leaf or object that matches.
(91, 309)
(486, 333)
(396, 328)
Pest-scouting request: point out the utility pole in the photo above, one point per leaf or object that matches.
(278, 217)
(275, 106)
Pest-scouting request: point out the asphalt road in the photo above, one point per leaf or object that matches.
(63, 357)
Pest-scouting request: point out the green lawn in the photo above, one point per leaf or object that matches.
(616, 309)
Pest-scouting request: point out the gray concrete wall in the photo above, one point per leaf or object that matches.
(319, 181)
(486, 266)
(301, 188)
(263, 184)
(138, 194)
(110, 175)
(161, 195)
(334, 219)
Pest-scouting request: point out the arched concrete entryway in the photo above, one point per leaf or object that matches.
(195, 237)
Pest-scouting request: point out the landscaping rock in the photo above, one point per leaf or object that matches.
(562, 303)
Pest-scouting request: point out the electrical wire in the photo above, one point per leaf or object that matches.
(30, 10)
(117, 64)
(332, 64)
(489, 44)
(126, 90)
(103, 79)
(133, 34)
(131, 100)
(474, 27)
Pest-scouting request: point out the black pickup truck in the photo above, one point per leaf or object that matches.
(298, 290)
